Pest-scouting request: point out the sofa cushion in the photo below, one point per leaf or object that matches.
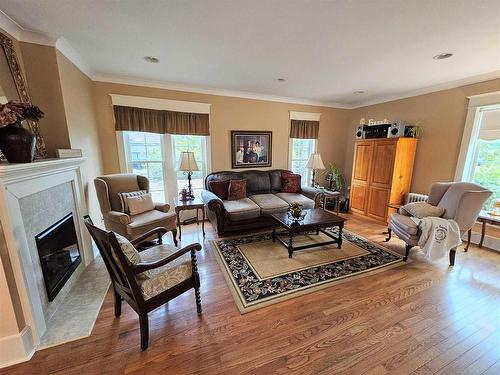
(269, 203)
(157, 280)
(290, 182)
(405, 223)
(258, 183)
(241, 209)
(295, 197)
(275, 178)
(220, 188)
(237, 190)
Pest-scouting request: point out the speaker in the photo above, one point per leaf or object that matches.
(397, 129)
(360, 134)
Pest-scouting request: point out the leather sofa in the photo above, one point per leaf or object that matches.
(264, 196)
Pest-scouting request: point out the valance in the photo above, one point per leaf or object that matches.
(304, 129)
(160, 121)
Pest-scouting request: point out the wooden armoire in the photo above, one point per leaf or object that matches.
(381, 175)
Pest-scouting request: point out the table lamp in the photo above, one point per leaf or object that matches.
(314, 163)
(187, 163)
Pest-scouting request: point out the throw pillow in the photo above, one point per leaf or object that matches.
(290, 182)
(423, 209)
(140, 203)
(130, 253)
(220, 188)
(237, 189)
(123, 198)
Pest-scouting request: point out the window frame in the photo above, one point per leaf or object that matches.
(305, 181)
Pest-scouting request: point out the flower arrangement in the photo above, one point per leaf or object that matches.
(12, 113)
(295, 211)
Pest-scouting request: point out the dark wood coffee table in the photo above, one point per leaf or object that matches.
(316, 219)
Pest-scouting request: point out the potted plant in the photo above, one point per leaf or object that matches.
(334, 177)
(16, 142)
(416, 130)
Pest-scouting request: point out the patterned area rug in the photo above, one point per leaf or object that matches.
(259, 272)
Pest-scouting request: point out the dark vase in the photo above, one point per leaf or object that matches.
(17, 143)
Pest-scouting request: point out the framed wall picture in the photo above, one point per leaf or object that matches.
(251, 149)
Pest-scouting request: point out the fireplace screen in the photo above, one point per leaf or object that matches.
(59, 254)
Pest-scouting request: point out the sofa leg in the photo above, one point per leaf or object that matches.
(389, 232)
(452, 256)
(407, 252)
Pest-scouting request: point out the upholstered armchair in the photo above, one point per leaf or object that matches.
(462, 202)
(146, 278)
(108, 188)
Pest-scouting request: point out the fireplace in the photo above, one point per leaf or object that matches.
(59, 254)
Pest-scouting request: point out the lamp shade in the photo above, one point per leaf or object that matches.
(315, 162)
(187, 162)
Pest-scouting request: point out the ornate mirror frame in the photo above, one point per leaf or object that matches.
(22, 90)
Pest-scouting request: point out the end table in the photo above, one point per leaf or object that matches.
(195, 204)
(331, 195)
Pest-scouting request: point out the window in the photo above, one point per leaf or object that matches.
(147, 154)
(483, 157)
(144, 155)
(300, 150)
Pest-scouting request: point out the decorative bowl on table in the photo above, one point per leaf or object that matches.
(295, 212)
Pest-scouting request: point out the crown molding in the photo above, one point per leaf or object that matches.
(210, 91)
(430, 89)
(72, 55)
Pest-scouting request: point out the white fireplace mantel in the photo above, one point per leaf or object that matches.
(18, 181)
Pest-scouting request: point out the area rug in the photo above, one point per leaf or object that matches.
(259, 272)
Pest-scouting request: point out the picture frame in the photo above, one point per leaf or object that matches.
(251, 149)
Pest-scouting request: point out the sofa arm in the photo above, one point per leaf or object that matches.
(118, 217)
(212, 201)
(163, 207)
(312, 193)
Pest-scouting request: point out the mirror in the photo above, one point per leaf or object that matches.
(13, 87)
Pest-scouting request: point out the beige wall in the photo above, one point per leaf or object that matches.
(443, 114)
(77, 92)
(42, 73)
(226, 114)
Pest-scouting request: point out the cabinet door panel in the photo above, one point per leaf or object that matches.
(382, 164)
(377, 203)
(362, 161)
(359, 197)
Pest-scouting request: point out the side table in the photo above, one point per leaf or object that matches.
(484, 218)
(195, 204)
(331, 195)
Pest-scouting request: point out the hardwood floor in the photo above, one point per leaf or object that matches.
(420, 318)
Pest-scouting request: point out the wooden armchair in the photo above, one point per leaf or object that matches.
(148, 279)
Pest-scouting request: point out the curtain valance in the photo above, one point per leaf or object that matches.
(304, 129)
(160, 121)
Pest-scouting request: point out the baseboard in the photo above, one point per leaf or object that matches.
(16, 348)
(489, 241)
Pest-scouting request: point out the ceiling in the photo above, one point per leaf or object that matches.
(326, 50)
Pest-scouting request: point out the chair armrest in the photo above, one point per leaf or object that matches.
(118, 217)
(163, 207)
(211, 200)
(159, 231)
(312, 193)
(146, 266)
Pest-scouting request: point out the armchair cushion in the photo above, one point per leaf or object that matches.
(149, 220)
(156, 281)
(163, 207)
(124, 198)
(422, 209)
(140, 203)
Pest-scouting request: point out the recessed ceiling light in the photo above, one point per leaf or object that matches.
(442, 56)
(359, 92)
(151, 59)
(281, 79)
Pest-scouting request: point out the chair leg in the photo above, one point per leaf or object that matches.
(174, 235)
(452, 256)
(407, 252)
(144, 328)
(118, 303)
(389, 232)
(198, 299)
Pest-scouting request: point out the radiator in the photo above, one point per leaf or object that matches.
(414, 197)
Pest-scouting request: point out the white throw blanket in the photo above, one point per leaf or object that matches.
(438, 236)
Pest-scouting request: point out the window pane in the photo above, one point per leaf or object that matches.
(487, 169)
(139, 168)
(301, 150)
(155, 175)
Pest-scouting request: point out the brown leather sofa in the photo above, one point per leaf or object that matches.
(263, 197)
